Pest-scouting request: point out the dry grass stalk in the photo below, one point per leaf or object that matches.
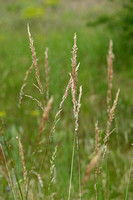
(45, 117)
(47, 69)
(74, 63)
(77, 113)
(34, 60)
(108, 132)
(111, 116)
(65, 93)
(107, 136)
(56, 120)
(52, 168)
(76, 108)
(39, 177)
(23, 163)
(110, 74)
(90, 167)
(24, 85)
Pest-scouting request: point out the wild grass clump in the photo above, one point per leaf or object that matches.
(25, 186)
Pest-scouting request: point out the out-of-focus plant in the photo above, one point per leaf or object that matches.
(52, 2)
(121, 22)
(33, 11)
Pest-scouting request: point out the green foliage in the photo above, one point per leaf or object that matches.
(32, 12)
(52, 2)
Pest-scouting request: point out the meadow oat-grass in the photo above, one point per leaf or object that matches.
(46, 104)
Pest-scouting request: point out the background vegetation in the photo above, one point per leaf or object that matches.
(53, 24)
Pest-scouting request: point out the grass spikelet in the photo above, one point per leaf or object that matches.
(65, 93)
(24, 85)
(47, 69)
(52, 167)
(74, 63)
(45, 117)
(73, 97)
(34, 60)
(110, 74)
(23, 163)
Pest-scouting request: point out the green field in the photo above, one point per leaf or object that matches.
(53, 24)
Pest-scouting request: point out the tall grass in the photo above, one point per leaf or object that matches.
(25, 188)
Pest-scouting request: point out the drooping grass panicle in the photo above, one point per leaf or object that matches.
(34, 59)
(110, 74)
(34, 99)
(38, 176)
(24, 85)
(23, 163)
(47, 70)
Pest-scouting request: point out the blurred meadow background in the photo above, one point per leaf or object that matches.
(53, 24)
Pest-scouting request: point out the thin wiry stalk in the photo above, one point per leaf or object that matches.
(77, 139)
(71, 174)
(47, 69)
(110, 74)
(23, 163)
(24, 85)
(96, 153)
(34, 59)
